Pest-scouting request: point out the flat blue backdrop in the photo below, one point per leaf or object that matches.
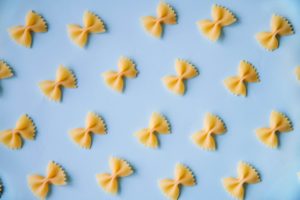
(129, 112)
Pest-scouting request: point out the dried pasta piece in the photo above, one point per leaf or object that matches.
(297, 72)
(165, 15)
(94, 124)
(184, 71)
(247, 174)
(5, 70)
(279, 123)
(213, 28)
(24, 129)
(119, 169)
(183, 177)
(280, 26)
(91, 24)
(213, 125)
(126, 69)
(23, 34)
(40, 185)
(157, 125)
(53, 89)
(246, 74)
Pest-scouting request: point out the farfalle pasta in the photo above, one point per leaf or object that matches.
(115, 79)
(165, 15)
(23, 34)
(5, 70)
(213, 125)
(184, 71)
(91, 24)
(246, 74)
(119, 169)
(279, 123)
(247, 174)
(94, 124)
(183, 176)
(40, 185)
(157, 125)
(221, 17)
(297, 72)
(53, 89)
(24, 130)
(280, 26)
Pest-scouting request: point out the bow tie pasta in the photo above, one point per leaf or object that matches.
(24, 129)
(5, 70)
(246, 74)
(126, 69)
(23, 34)
(280, 26)
(222, 17)
(279, 123)
(213, 125)
(165, 15)
(184, 71)
(157, 125)
(247, 174)
(40, 185)
(53, 89)
(91, 24)
(183, 176)
(119, 169)
(94, 124)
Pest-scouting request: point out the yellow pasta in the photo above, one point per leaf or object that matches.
(184, 71)
(94, 124)
(279, 123)
(24, 129)
(126, 69)
(280, 26)
(213, 125)
(297, 72)
(247, 174)
(246, 74)
(23, 34)
(157, 125)
(53, 89)
(221, 17)
(119, 169)
(5, 70)
(183, 177)
(165, 15)
(91, 24)
(40, 185)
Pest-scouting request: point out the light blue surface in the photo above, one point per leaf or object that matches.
(128, 112)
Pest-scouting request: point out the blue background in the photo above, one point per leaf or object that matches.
(129, 112)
